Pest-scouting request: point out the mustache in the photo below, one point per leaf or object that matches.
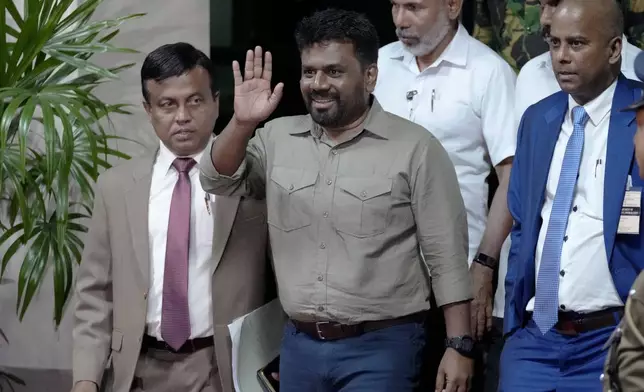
(321, 97)
(402, 33)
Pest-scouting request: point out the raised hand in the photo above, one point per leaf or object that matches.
(254, 99)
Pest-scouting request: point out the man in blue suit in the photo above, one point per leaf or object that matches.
(572, 262)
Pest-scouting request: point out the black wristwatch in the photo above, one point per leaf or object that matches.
(486, 260)
(464, 345)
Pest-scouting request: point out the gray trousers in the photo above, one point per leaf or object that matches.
(163, 371)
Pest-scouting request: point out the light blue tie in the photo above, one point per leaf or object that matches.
(547, 296)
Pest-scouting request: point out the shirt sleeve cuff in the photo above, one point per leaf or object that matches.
(506, 153)
(451, 289)
(208, 170)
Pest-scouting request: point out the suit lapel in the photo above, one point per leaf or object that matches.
(546, 142)
(619, 156)
(137, 197)
(225, 213)
(546, 132)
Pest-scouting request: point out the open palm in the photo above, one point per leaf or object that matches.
(254, 99)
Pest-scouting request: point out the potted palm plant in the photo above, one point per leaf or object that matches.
(8, 380)
(54, 138)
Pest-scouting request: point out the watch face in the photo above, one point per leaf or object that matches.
(461, 344)
(467, 343)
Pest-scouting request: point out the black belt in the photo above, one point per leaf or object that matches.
(330, 330)
(190, 346)
(573, 323)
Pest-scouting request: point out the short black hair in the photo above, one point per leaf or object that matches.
(340, 26)
(172, 60)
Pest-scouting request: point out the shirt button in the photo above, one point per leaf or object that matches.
(329, 182)
(320, 278)
(322, 245)
(565, 238)
(562, 273)
(290, 188)
(574, 209)
(145, 295)
(562, 307)
(325, 214)
(334, 152)
(320, 308)
(363, 194)
(632, 292)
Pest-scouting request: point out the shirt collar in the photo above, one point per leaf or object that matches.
(455, 53)
(374, 123)
(547, 63)
(599, 107)
(165, 157)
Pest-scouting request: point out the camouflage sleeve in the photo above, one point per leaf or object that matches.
(483, 28)
(634, 21)
(624, 370)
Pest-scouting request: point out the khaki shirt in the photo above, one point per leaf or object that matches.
(624, 368)
(347, 220)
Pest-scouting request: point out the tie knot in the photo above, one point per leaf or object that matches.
(184, 165)
(579, 115)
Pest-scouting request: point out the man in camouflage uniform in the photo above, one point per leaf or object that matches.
(511, 27)
(624, 369)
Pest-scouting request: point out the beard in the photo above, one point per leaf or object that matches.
(340, 113)
(423, 45)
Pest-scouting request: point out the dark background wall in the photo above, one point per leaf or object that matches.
(270, 24)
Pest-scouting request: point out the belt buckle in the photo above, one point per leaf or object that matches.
(570, 327)
(317, 328)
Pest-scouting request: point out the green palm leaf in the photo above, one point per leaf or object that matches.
(53, 137)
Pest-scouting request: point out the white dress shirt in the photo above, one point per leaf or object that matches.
(466, 99)
(585, 282)
(535, 82)
(164, 178)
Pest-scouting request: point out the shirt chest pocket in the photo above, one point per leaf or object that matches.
(362, 206)
(290, 198)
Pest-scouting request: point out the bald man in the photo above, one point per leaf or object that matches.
(573, 256)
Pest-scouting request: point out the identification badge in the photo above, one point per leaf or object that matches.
(629, 220)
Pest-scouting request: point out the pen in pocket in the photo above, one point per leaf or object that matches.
(207, 201)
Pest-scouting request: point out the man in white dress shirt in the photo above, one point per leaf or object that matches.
(536, 79)
(535, 82)
(460, 90)
(575, 249)
(166, 267)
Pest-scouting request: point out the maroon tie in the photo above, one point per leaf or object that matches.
(175, 316)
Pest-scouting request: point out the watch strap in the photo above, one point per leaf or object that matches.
(486, 260)
(464, 345)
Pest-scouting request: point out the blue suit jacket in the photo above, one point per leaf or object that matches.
(538, 133)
